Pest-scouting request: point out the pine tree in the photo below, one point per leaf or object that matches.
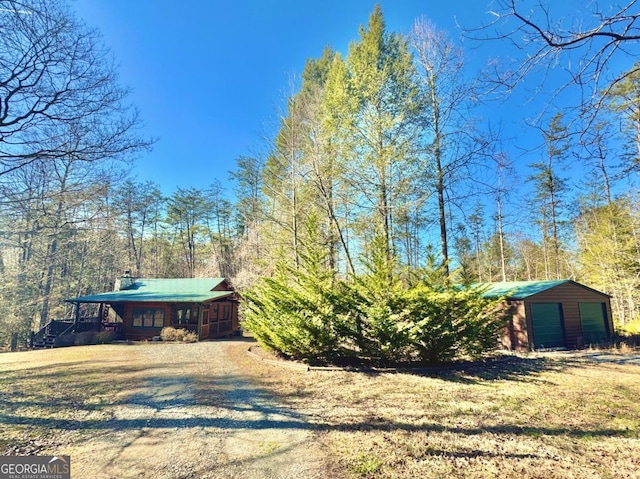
(550, 187)
(378, 127)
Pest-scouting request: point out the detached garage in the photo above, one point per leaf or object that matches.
(553, 314)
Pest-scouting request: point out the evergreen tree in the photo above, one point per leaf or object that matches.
(550, 188)
(375, 103)
(623, 99)
(187, 210)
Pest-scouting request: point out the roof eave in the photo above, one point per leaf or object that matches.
(114, 299)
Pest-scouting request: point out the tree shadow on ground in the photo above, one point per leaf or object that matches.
(501, 368)
(101, 397)
(498, 368)
(114, 398)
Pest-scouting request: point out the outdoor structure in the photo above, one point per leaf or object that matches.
(553, 314)
(139, 308)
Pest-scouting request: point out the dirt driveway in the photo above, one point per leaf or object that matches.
(152, 411)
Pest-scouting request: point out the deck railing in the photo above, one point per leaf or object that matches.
(58, 327)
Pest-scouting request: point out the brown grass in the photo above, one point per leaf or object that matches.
(514, 417)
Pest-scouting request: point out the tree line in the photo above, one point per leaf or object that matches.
(384, 144)
(389, 139)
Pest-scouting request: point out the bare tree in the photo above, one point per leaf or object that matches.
(596, 151)
(449, 132)
(503, 168)
(58, 81)
(64, 123)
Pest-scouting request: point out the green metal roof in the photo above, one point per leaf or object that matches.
(519, 289)
(177, 290)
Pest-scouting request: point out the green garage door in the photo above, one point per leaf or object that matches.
(546, 319)
(593, 320)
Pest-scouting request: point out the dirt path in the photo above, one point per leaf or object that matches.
(175, 411)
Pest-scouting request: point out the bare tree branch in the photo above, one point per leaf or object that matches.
(58, 81)
(594, 47)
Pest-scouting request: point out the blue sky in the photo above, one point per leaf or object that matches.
(209, 76)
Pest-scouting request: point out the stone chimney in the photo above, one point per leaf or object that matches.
(124, 282)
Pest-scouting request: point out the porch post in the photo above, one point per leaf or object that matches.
(77, 318)
(101, 310)
(199, 321)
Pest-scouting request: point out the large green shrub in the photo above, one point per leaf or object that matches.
(375, 299)
(451, 323)
(306, 313)
(299, 312)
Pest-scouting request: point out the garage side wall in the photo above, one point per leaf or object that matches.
(515, 336)
(570, 295)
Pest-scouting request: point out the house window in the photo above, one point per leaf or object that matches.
(147, 318)
(226, 311)
(185, 316)
(205, 316)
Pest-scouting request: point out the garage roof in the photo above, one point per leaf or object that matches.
(520, 289)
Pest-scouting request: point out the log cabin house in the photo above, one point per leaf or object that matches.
(139, 307)
(553, 314)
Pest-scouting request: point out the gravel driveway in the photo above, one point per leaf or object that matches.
(595, 356)
(186, 411)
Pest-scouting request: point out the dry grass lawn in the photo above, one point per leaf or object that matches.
(516, 417)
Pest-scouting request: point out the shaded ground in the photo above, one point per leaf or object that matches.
(151, 410)
(603, 357)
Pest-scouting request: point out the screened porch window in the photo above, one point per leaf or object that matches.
(147, 318)
(185, 316)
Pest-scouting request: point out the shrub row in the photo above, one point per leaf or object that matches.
(85, 338)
